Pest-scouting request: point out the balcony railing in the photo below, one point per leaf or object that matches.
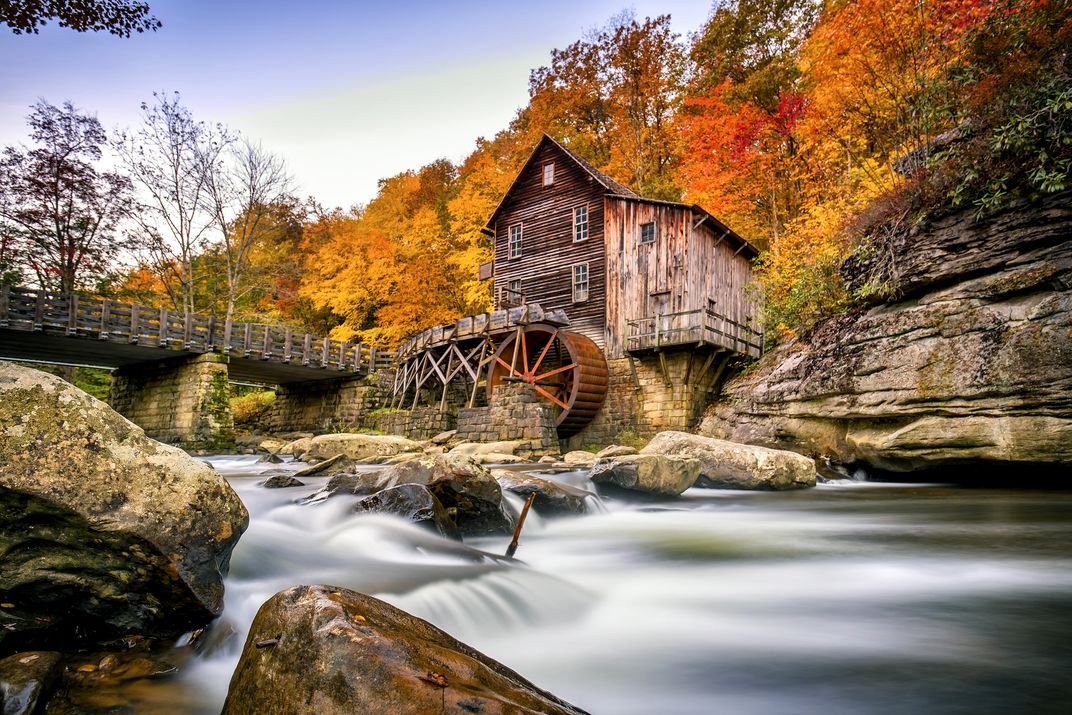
(692, 327)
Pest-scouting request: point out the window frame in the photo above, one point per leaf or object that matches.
(510, 286)
(587, 281)
(640, 234)
(586, 223)
(510, 254)
(549, 173)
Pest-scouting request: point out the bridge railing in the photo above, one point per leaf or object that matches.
(108, 320)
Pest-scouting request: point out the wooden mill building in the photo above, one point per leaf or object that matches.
(621, 311)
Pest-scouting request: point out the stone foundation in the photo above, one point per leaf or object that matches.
(515, 413)
(325, 405)
(419, 423)
(182, 401)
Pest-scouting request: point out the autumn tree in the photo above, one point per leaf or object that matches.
(118, 17)
(168, 158)
(243, 184)
(611, 98)
(58, 211)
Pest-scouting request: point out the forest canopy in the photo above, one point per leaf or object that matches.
(812, 129)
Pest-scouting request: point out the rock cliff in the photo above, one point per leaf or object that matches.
(967, 365)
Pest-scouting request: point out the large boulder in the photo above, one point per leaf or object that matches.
(470, 494)
(962, 365)
(364, 448)
(552, 499)
(414, 503)
(103, 531)
(667, 475)
(475, 448)
(728, 465)
(26, 681)
(328, 651)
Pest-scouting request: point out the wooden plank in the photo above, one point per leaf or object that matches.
(286, 346)
(266, 351)
(187, 329)
(247, 340)
(162, 329)
(135, 324)
(72, 315)
(324, 354)
(372, 359)
(228, 326)
(39, 311)
(5, 304)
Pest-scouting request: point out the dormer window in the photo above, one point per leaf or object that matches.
(580, 224)
(549, 173)
(647, 232)
(515, 241)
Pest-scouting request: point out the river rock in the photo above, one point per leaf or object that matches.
(579, 458)
(412, 502)
(616, 450)
(331, 651)
(281, 481)
(270, 459)
(297, 448)
(103, 531)
(728, 465)
(362, 448)
(470, 494)
(331, 465)
(662, 474)
(272, 445)
(961, 363)
(475, 448)
(497, 458)
(444, 437)
(552, 499)
(26, 681)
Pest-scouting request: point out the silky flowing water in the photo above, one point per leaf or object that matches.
(848, 598)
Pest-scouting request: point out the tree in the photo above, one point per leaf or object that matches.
(169, 158)
(244, 182)
(119, 17)
(60, 211)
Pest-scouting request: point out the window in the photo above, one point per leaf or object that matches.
(580, 224)
(647, 232)
(515, 241)
(580, 282)
(514, 288)
(549, 174)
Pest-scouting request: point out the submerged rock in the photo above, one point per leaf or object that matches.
(363, 448)
(331, 465)
(27, 680)
(552, 499)
(412, 502)
(270, 458)
(329, 651)
(728, 465)
(663, 474)
(281, 481)
(103, 531)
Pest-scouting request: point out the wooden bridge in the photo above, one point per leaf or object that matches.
(71, 329)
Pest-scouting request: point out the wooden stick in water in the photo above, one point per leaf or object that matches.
(510, 550)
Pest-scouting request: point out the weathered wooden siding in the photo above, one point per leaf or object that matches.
(548, 251)
(680, 271)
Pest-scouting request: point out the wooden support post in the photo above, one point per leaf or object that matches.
(716, 382)
(324, 353)
(227, 328)
(39, 311)
(266, 351)
(664, 369)
(446, 382)
(5, 304)
(688, 367)
(707, 364)
(357, 360)
(162, 329)
(247, 340)
(372, 359)
(72, 314)
(307, 345)
(479, 366)
(632, 369)
(187, 329)
(342, 355)
(135, 324)
(286, 346)
(104, 315)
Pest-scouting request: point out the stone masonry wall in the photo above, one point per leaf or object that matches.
(419, 423)
(325, 405)
(182, 401)
(515, 413)
(654, 401)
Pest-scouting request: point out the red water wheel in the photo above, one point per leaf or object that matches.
(566, 369)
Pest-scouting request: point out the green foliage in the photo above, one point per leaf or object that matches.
(250, 408)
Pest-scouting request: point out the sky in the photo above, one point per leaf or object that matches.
(347, 92)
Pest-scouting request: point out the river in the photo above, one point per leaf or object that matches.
(849, 598)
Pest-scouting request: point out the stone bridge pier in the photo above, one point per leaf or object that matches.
(180, 400)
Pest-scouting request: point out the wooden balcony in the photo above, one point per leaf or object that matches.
(692, 327)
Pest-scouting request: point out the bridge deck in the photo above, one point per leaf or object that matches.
(36, 325)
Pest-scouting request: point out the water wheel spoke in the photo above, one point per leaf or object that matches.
(543, 353)
(557, 370)
(551, 397)
(505, 364)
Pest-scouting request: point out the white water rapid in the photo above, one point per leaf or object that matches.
(845, 599)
